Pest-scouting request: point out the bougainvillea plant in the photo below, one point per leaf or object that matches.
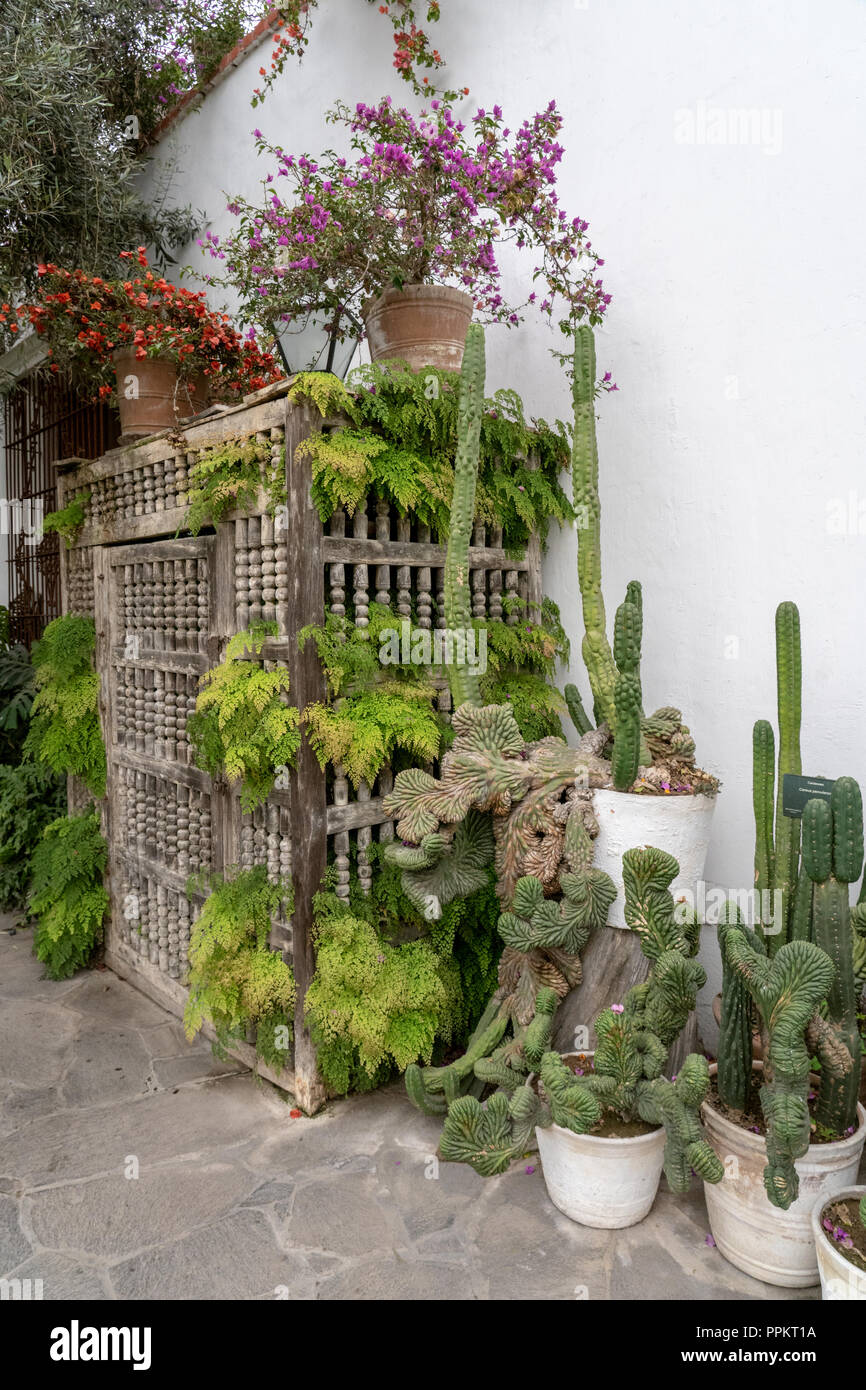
(413, 48)
(425, 199)
(84, 319)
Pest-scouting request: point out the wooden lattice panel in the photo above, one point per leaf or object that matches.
(165, 609)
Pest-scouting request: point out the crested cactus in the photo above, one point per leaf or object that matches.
(464, 681)
(633, 1044)
(786, 991)
(832, 846)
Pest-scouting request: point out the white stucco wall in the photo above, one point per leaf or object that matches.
(736, 331)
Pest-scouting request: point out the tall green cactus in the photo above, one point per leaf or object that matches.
(833, 858)
(627, 634)
(463, 680)
(597, 655)
(777, 858)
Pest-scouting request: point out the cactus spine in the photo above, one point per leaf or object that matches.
(833, 858)
(464, 682)
(597, 655)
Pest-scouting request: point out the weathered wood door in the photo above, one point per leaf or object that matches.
(155, 605)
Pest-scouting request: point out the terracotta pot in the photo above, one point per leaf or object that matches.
(777, 1247)
(679, 824)
(840, 1279)
(149, 396)
(424, 325)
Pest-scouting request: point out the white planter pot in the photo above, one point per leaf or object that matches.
(775, 1246)
(839, 1278)
(678, 824)
(607, 1183)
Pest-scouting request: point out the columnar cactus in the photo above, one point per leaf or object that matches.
(614, 675)
(597, 655)
(832, 846)
(627, 632)
(464, 681)
(777, 860)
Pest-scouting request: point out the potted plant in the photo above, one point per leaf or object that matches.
(839, 1227)
(154, 348)
(655, 793)
(786, 1133)
(404, 235)
(602, 1164)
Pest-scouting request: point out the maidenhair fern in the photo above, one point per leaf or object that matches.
(380, 1004)
(399, 442)
(242, 726)
(230, 477)
(64, 722)
(67, 896)
(69, 520)
(364, 732)
(537, 705)
(236, 980)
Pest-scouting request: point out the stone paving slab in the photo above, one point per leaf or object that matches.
(133, 1165)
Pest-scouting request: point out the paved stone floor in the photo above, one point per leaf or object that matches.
(235, 1199)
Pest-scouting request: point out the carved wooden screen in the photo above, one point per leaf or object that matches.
(165, 609)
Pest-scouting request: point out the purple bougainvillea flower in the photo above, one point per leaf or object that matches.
(708, 1240)
(530, 1168)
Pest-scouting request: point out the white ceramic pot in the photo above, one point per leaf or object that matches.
(775, 1246)
(839, 1278)
(678, 824)
(607, 1183)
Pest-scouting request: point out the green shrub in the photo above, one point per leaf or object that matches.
(64, 722)
(67, 896)
(17, 689)
(69, 520)
(30, 798)
(237, 981)
(229, 478)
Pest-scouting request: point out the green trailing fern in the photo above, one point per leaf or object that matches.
(30, 798)
(67, 896)
(373, 1005)
(64, 723)
(69, 521)
(364, 732)
(400, 439)
(237, 982)
(229, 478)
(242, 726)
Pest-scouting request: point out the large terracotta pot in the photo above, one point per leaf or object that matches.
(679, 824)
(424, 325)
(775, 1246)
(149, 396)
(840, 1279)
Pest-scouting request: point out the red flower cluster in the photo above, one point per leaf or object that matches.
(85, 319)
